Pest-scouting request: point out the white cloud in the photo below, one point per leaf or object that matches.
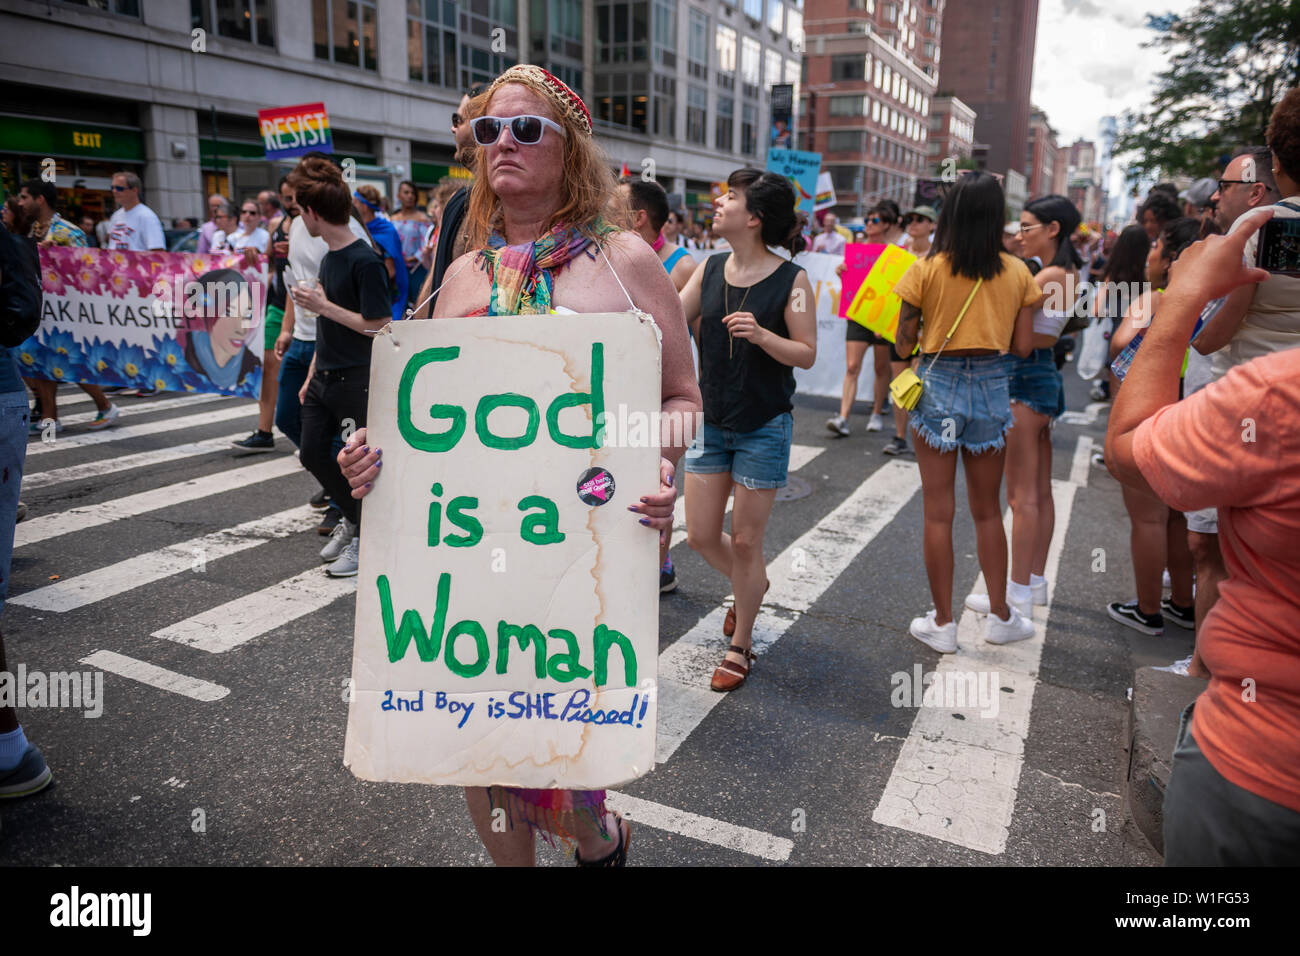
(1089, 61)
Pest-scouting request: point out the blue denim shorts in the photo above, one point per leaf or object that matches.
(758, 459)
(13, 453)
(1035, 382)
(965, 403)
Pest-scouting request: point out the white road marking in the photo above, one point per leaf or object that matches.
(156, 676)
(108, 466)
(718, 832)
(236, 622)
(956, 779)
(90, 516)
(142, 408)
(114, 579)
(123, 432)
(799, 576)
(800, 455)
(1082, 461)
(1085, 417)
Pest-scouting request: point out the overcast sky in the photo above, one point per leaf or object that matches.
(1089, 61)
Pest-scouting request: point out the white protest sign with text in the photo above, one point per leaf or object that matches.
(507, 601)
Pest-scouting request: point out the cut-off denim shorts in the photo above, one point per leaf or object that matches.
(758, 460)
(965, 403)
(1036, 383)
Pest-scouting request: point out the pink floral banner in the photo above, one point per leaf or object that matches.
(168, 320)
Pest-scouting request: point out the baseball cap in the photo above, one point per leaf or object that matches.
(1199, 192)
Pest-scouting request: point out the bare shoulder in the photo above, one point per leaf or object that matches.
(463, 288)
(631, 248)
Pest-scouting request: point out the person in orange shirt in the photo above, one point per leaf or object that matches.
(1234, 792)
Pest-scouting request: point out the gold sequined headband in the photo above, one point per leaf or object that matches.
(567, 103)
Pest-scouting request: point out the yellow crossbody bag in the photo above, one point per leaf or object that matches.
(906, 388)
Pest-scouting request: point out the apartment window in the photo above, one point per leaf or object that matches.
(771, 67)
(697, 114)
(431, 42)
(927, 48)
(852, 67)
(930, 24)
(344, 32)
(875, 111)
(868, 5)
(891, 13)
(754, 10)
(697, 44)
(794, 24)
(665, 106)
(846, 141)
(726, 46)
(775, 10)
(879, 70)
(848, 105)
(247, 20)
(749, 63)
(623, 32)
(749, 130)
(724, 123)
(665, 33)
(125, 8)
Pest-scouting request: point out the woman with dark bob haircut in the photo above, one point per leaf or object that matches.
(752, 314)
(974, 303)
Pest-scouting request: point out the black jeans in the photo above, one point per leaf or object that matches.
(336, 399)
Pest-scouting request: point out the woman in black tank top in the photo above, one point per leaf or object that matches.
(754, 321)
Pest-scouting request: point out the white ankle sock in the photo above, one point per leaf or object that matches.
(12, 747)
(1036, 579)
(1018, 592)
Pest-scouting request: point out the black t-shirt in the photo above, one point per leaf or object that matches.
(742, 386)
(353, 278)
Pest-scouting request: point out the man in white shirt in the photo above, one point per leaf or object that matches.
(134, 225)
(829, 240)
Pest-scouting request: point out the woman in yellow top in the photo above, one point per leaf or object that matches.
(966, 403)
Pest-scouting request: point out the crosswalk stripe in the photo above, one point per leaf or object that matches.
(192, 555)
(123, 432)
(236, 622)
(49, 526)
(156, 676)
(800, 575)
(110, 466)
(956, 780)
(143, 408)
(800, 455)
(697, 827)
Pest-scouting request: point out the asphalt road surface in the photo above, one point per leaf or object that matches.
(189, 574)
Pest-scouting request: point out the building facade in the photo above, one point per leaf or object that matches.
(869, 72)
(1085, 187)
(1042, 155)
(170, 90)
(952, 135)
(987, 60)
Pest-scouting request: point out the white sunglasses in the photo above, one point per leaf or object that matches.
(526, 130)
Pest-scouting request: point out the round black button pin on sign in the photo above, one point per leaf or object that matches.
(596, 486)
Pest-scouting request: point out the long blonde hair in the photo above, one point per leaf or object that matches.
(588, 191)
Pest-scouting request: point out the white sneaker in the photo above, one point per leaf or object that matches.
(1039, 590)
(1016, 627)
(105, 419)
(346, 564)
(1177, 667)
(941, 639)
(875, 423)
(340, 538)
(838, 426)
(979, 603)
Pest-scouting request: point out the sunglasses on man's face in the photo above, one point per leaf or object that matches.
(875, 220)
(120, 189)
(248, 212)
(525, 130)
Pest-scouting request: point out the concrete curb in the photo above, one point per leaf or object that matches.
(1150, 731)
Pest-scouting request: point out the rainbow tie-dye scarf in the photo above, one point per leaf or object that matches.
(522, 276)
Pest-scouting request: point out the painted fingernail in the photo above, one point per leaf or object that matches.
(365, 449)
(670, 480)
(645, 500)
(367, 484)
(631, 508)
(646, 522)
(379, 464)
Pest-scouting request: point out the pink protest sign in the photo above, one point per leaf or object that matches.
(859, 257)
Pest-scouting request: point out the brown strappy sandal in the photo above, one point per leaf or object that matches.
(729, 622)
(730, 675)
(617, 856)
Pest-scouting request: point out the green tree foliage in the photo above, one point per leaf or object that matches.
(1230, 62)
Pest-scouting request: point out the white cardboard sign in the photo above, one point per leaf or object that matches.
(507, 602)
